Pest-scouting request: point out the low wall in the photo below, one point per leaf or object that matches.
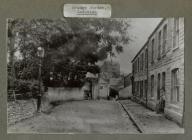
(64, 94)
(126, 92)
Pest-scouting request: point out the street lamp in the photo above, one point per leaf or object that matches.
(92, 77)
(40, 54)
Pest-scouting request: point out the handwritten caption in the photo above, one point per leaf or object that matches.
(87, 10)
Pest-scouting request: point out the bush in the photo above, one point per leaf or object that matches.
(27, 89)
(35, 89)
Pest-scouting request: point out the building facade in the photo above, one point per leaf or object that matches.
(140, 72)
(163, 74)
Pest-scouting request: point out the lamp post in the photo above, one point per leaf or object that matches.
(40, 54)
(92, 77)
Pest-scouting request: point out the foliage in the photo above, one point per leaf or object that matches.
(72, 46)
(27, 89)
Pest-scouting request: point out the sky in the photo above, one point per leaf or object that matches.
(139, 31)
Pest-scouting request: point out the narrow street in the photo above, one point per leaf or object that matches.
(82, 76)
(79, 117)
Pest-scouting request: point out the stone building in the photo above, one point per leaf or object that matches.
(126, 90)
(127, 80)
(140, 70)
(158, 68)
(108, 77)
(112, 69)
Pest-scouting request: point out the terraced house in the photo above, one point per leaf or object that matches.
(158, 69)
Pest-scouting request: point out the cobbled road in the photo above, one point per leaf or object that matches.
(100, 116)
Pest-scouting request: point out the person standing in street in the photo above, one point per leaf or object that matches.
(39, 103)
(86, 89)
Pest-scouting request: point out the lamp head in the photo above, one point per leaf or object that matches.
(40, 51)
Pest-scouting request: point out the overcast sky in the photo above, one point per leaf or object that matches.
(140, 30)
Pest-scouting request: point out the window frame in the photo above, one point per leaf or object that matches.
(152, 85)
(159, 45)
(164, 39)
(176, 34)
(152, 50)
(146, 59)
(163, 81)
(175, 85)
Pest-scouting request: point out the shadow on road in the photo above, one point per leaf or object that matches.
(54, 104)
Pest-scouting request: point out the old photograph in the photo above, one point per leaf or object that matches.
(95, 75)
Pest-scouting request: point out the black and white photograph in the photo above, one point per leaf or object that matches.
(95, 75)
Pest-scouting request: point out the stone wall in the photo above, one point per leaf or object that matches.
(65, 94)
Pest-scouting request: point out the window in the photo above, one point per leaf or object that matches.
(145, 88)
(138, 65)
(163, 81)
(141, 89)
(140, 68)
(176, 33)
(142, 60)
(137, 87)
(175, 85)
(158, 86)
(152, 85)
(152, 51)
(141, 64)
(146, 59)
(164, 39)
(159, 45)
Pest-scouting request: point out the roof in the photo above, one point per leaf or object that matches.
(139, 51)
(129, 75)
(149, 38)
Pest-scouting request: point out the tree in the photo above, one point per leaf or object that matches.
(72, 46)
(109, 35)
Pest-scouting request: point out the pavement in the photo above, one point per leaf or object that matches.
(84, 117)
(149, 121)
(23, 109)
(20, 110)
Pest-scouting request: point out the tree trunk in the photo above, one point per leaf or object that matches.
(12, 61)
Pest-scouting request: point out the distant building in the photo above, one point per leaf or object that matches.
(127, 80)
(140, 74)
(111, 69)
(109, 77)
(126, 90)
(158, 69)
